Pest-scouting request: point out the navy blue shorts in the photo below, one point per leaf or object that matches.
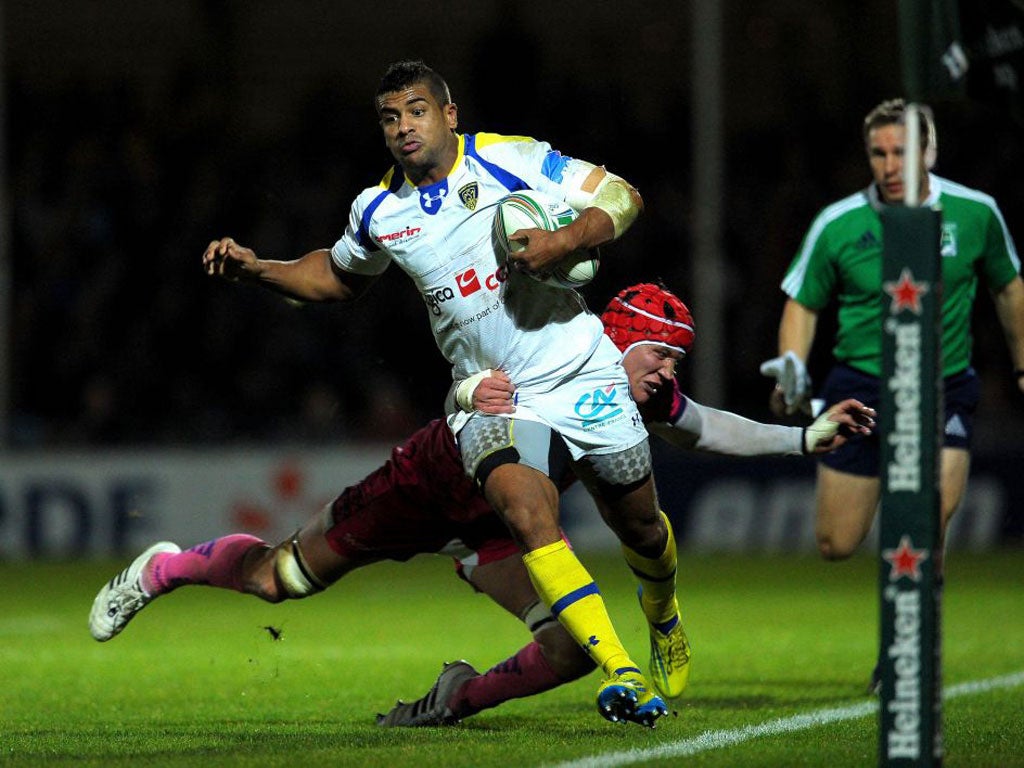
(860, 455)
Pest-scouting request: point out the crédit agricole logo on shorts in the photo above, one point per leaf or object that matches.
(598, 407)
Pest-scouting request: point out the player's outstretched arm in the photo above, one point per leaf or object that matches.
(313, 277)
(703, 428)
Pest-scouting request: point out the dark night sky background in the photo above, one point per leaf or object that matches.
(139, 132)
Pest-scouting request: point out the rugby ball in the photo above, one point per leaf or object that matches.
(530, 209)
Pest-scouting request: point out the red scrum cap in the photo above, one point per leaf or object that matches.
(648, 314)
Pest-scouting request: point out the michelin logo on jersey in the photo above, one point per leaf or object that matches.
(442, 239)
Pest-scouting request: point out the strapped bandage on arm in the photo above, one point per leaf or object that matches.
(591, 186)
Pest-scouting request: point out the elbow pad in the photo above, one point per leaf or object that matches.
(591, 186)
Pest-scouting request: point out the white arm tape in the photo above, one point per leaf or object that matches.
(618, 200)
(592, 186)
(464, 391)
(730, 434)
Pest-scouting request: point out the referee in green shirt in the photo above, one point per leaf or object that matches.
(841, 257)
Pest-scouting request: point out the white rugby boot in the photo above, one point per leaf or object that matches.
(123, 596)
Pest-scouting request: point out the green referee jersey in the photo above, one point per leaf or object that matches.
(842, 255)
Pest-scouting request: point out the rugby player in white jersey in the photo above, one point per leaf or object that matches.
(431, 215)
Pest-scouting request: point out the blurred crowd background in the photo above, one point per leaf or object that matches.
(138, 132)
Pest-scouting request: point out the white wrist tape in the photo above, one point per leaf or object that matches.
(822, 430)
(464, 392)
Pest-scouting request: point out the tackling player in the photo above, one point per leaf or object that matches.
(421, 501)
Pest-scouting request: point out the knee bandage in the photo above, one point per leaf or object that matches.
(296, 577)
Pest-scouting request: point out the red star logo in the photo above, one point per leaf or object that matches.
(906, 294)
(905, 560)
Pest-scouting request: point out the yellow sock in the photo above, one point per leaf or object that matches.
(657, 577)
(568, 590)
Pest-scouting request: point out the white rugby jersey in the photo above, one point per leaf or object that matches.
(440, 235)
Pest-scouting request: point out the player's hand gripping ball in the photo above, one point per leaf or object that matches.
(531, 209)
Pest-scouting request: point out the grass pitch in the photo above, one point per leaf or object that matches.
(198, 679)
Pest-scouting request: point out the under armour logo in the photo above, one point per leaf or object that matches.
(431, 203)
(428, 198)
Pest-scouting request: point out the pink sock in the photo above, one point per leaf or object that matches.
(217, 563)
(524, 674)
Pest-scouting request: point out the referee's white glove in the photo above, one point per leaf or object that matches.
(792, 377)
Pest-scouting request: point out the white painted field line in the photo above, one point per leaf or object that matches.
(717, 739)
